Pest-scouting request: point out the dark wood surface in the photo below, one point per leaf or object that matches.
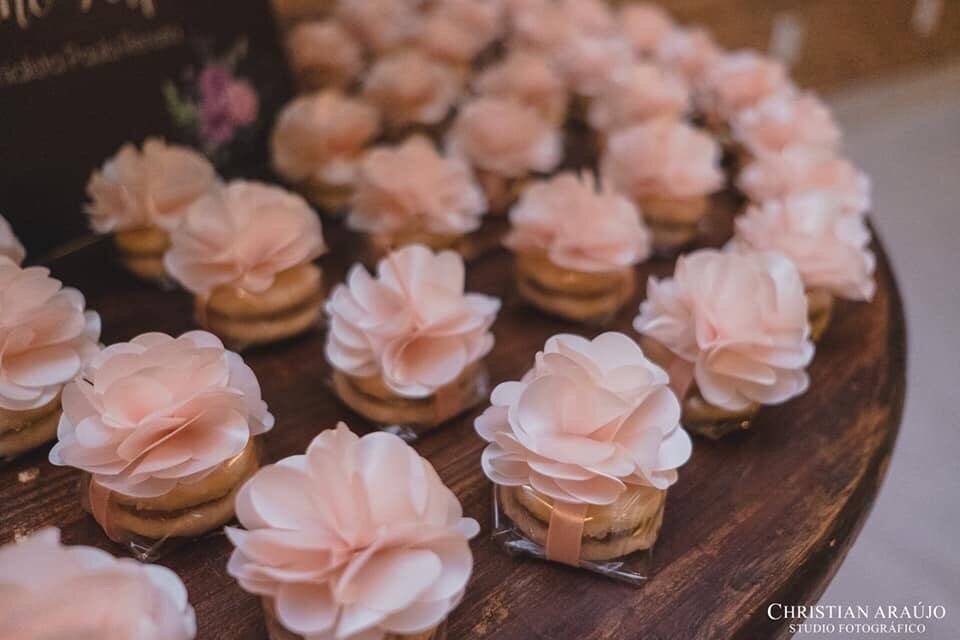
(763, 516)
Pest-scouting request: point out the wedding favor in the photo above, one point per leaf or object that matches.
(669, 169)
(829, 247)
(575, 248)
(318, 142)
(164, 430)
(47, 336)
(141, 195)
(528, 78)
(506, 142)
(356, 539)
(407, 345)
(582, 451)
(54, 591)
(323, 54)
(410, 194)
(246, 253)
(731, 329)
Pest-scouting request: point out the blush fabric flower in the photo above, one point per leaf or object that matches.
(741, 79)
(829, 247)
(528, 78)
(147, 414)
(542, 26)
(325, 49)
(321, 136)
(588, 61)
(739, 319)
(578, 226)
(590, 418)
(410, 88)
(785, 120)
(412, 324)
(775, 175)
(689, 52)
(504, 137)
(46, 336)
(153, 186)
(381, 25)
(410, 186)
(456, 31)
(54, 591)
(10, 245)
(355, 539)
(243, 235)
(644, 25)
(662, 158)
(638, 93)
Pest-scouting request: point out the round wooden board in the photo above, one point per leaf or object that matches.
(763, 516)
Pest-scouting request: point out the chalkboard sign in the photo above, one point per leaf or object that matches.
(78, 78)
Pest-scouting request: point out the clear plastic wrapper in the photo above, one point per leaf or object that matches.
(291, 306)
(593, 298)
(146, 525)
(615, 540)
(409, 418)
(276, 631)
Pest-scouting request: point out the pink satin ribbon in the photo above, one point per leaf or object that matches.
(99, 497)
(565, 532)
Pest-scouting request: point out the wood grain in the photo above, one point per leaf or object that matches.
(763, 516)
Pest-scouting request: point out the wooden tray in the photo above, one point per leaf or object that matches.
(763, 516)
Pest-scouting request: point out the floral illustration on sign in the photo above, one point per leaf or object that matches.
(215, 104)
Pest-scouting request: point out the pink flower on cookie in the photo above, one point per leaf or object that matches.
(243, 235)
(412, 324)
(356, 539)
(590, 418)
(157, 410)
(739, 319)
(46, 333)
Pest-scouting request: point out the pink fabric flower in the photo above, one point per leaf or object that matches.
(663, 158)
(775, 175)
(411, 185)
(10, 245)
(46, 336)
(155, 186)
(504, 137)
(587, 62)
(784, 120)
(739, 319)
(542, 26)
(410, 88)
(829, 247)
(243, 235)
(739, 80)
(327, 46)
(456, 31)
(157, 410)
(530, 79)
(590, 418)
(577, 226)
(688, 52)
(637, 93)
(591, 17)
(412, 324)
(380, 25)
(356, 539)
(645, 25)
(52, 591)
(321, 136)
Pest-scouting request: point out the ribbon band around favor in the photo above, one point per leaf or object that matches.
(565, 532)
